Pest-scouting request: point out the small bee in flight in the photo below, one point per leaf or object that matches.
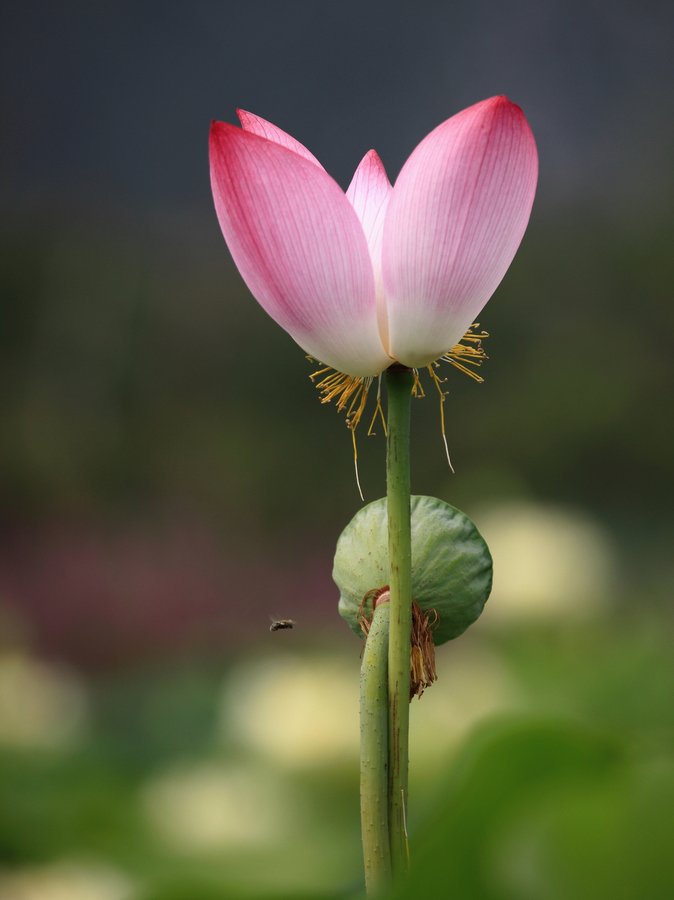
(279, 624)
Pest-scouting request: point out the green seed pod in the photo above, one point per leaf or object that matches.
(451, 564)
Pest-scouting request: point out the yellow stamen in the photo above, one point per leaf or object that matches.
(473, 354)
(379, 410)
(351, 391)
(438, 381)
(417, 389)
(347, 388)
(355, 463)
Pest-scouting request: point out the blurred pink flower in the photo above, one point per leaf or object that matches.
(381, 273)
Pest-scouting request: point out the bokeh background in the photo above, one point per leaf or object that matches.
(169, 480)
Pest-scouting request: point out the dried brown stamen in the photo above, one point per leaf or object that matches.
(422, 650)
(377, 596)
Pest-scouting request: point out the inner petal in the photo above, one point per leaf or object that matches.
(369, 194)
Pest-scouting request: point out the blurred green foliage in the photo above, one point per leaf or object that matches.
(571, 797)
(545, 809)
(573, 803)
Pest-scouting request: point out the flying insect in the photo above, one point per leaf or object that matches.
(280, 624)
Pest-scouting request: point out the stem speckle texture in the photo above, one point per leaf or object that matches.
(374, 754)
(399, 382)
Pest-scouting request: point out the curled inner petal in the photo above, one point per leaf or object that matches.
(369, 194)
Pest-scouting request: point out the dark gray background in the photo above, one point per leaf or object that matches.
(114, 99)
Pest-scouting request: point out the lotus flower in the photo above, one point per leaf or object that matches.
(380, 274)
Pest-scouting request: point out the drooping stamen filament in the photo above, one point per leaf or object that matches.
(351, 391)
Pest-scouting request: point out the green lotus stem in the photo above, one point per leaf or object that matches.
(374, 754)
(399, 381)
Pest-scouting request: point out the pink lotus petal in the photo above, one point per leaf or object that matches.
(369, 194)
(299, 246)
(256, 125)
(455, 219)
